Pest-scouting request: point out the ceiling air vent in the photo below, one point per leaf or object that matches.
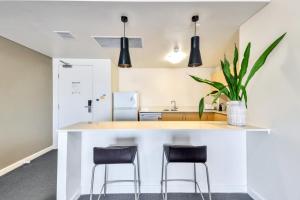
(65, 34)
(114, 42)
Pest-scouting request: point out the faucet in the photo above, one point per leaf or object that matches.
(173, 105)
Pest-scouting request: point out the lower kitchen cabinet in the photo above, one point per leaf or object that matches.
(176, 116)
(220, 117)
(192, 116)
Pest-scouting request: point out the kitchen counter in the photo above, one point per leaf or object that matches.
(76, 143)
(164, 109)
(161, 125)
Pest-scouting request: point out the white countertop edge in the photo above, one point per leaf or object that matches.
(161, 126)
(266, 131)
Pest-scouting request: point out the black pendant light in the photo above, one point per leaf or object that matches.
(195, 57)
(124, 59)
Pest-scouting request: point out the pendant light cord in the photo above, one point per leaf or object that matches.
(195, 29)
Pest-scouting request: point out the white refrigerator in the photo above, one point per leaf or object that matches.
(125, 106)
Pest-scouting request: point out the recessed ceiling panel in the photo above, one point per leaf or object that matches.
(114, 42)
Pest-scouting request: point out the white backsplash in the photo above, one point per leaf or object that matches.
(158, 86)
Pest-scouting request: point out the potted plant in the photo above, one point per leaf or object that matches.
(235, 88)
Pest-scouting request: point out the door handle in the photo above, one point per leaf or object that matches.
(89, 106)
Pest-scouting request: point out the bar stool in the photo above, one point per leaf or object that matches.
(117, 155)
(183, 154)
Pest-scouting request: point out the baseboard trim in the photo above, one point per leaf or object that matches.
(255, 195)
(26, 160)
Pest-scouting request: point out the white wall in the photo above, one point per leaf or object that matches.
(157, 87)
(274, 102)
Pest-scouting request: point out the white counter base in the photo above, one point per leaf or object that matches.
(227, 157)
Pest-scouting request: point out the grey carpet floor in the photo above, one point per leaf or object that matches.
(37, 181)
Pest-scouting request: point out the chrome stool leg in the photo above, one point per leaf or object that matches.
(92, 182)
(208, 183)
(135, 182)
(195, 178)
(162, 175)
(201, 194)
(166, 181)
(100, 193)
(105, 179)
(139, 173)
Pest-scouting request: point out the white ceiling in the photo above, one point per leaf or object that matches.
(162, 25)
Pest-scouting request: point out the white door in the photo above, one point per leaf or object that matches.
(75, 94)
(81, 93)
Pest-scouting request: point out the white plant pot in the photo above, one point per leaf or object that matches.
(236, 113)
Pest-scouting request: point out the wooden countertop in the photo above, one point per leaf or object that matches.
(160, 125)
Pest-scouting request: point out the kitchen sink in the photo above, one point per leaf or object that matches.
(170, 110)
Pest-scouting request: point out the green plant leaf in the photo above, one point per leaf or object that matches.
(213, 92)
(216, 97)
(201, 107)
(201, 103)
(244, 65)
(262, 59)
(226, 70)
(244, 95)
(229, 78)
(214, 84)
(235, 60)
(229, 95)
(219, 93)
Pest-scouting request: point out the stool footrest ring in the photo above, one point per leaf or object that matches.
(120, 181)
(185, 180)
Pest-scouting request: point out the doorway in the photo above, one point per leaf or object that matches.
(82, 92)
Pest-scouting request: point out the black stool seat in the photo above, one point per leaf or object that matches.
(114, 154)
(187, 154)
